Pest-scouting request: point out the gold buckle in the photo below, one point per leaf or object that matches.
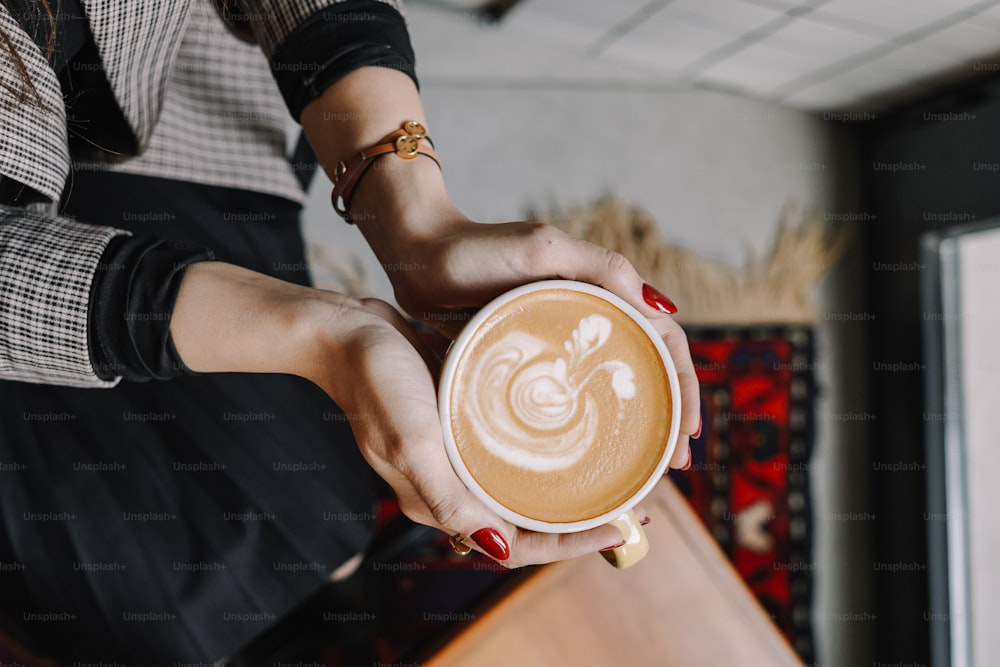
(414, 128)
(408, 145)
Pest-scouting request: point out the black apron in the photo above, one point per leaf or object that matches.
(170, 522)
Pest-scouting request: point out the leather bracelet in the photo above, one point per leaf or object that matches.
(406, 142)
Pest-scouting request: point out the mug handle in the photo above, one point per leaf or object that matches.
(636, 545)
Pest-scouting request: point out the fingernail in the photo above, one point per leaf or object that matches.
(654, 298)
(492, 543)
(687, 466)
(697, 434)
(645, 521)
(614, 546)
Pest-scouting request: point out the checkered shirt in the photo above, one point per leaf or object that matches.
(204, 108)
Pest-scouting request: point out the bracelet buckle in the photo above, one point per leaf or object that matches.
(405, 142)
(407, 146)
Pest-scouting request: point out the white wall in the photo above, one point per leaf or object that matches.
(519, 126)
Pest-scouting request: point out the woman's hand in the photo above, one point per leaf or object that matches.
(441, 264)
(443, 267)
(363, 354)
(387, 389)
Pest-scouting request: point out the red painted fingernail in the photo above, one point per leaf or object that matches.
(654, 298)
(645, 521)
(697, 434)
(492, 543)
(615, 546)
(687, 466)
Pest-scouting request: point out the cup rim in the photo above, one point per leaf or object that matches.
(444, 407)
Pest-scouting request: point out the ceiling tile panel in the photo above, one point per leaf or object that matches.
(991, 14)
(829, 95)
(942, 7)
(873, 85)
(965, 40)
(724, 16)
(665, 44)
(812, 39)
(554, 29)
(601, 15)
(893, 18)
(904, 66)
(759, 68)
(781, 5)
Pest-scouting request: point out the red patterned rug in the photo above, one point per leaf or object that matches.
(750, 479)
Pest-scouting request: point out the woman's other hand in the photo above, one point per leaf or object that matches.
(367, 359)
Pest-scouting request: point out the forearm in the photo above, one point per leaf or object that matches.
(397, 201)
(228, 319)
(357, 110)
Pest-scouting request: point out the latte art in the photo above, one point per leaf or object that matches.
(536, 410)
(559, 405)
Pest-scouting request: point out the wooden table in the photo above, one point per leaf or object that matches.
(683, 605)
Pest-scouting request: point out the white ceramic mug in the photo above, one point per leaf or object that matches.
(622, 516)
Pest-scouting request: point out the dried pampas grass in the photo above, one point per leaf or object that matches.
(768, 290)
(774, 289)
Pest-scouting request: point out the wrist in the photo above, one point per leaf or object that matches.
(396, 201)
(401, 203)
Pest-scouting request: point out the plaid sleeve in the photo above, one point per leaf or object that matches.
(275, 20)
(47, 266)
(33, 142)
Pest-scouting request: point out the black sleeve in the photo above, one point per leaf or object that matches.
(336, 41)
(131, 303)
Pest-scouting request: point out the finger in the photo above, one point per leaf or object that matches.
(551, 547)
(680, 351)
(538, 251)
(575, 259)
(681, 456)
(641, 513)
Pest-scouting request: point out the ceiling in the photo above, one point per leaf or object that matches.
(860, 55)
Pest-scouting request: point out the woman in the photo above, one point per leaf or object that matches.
(168, 522)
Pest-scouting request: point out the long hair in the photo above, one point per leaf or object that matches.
(25, 91)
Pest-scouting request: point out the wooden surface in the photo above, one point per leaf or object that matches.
(683, 605)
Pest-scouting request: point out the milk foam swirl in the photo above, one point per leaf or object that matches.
(530, 405)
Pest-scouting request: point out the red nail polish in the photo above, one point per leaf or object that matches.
(645, 521)
(697, 434)
(687, 466)
(654, 298)
(492, 543)
(615, 546)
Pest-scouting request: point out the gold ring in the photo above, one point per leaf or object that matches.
(458, 545)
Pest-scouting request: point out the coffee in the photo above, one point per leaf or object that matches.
(560, 406)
